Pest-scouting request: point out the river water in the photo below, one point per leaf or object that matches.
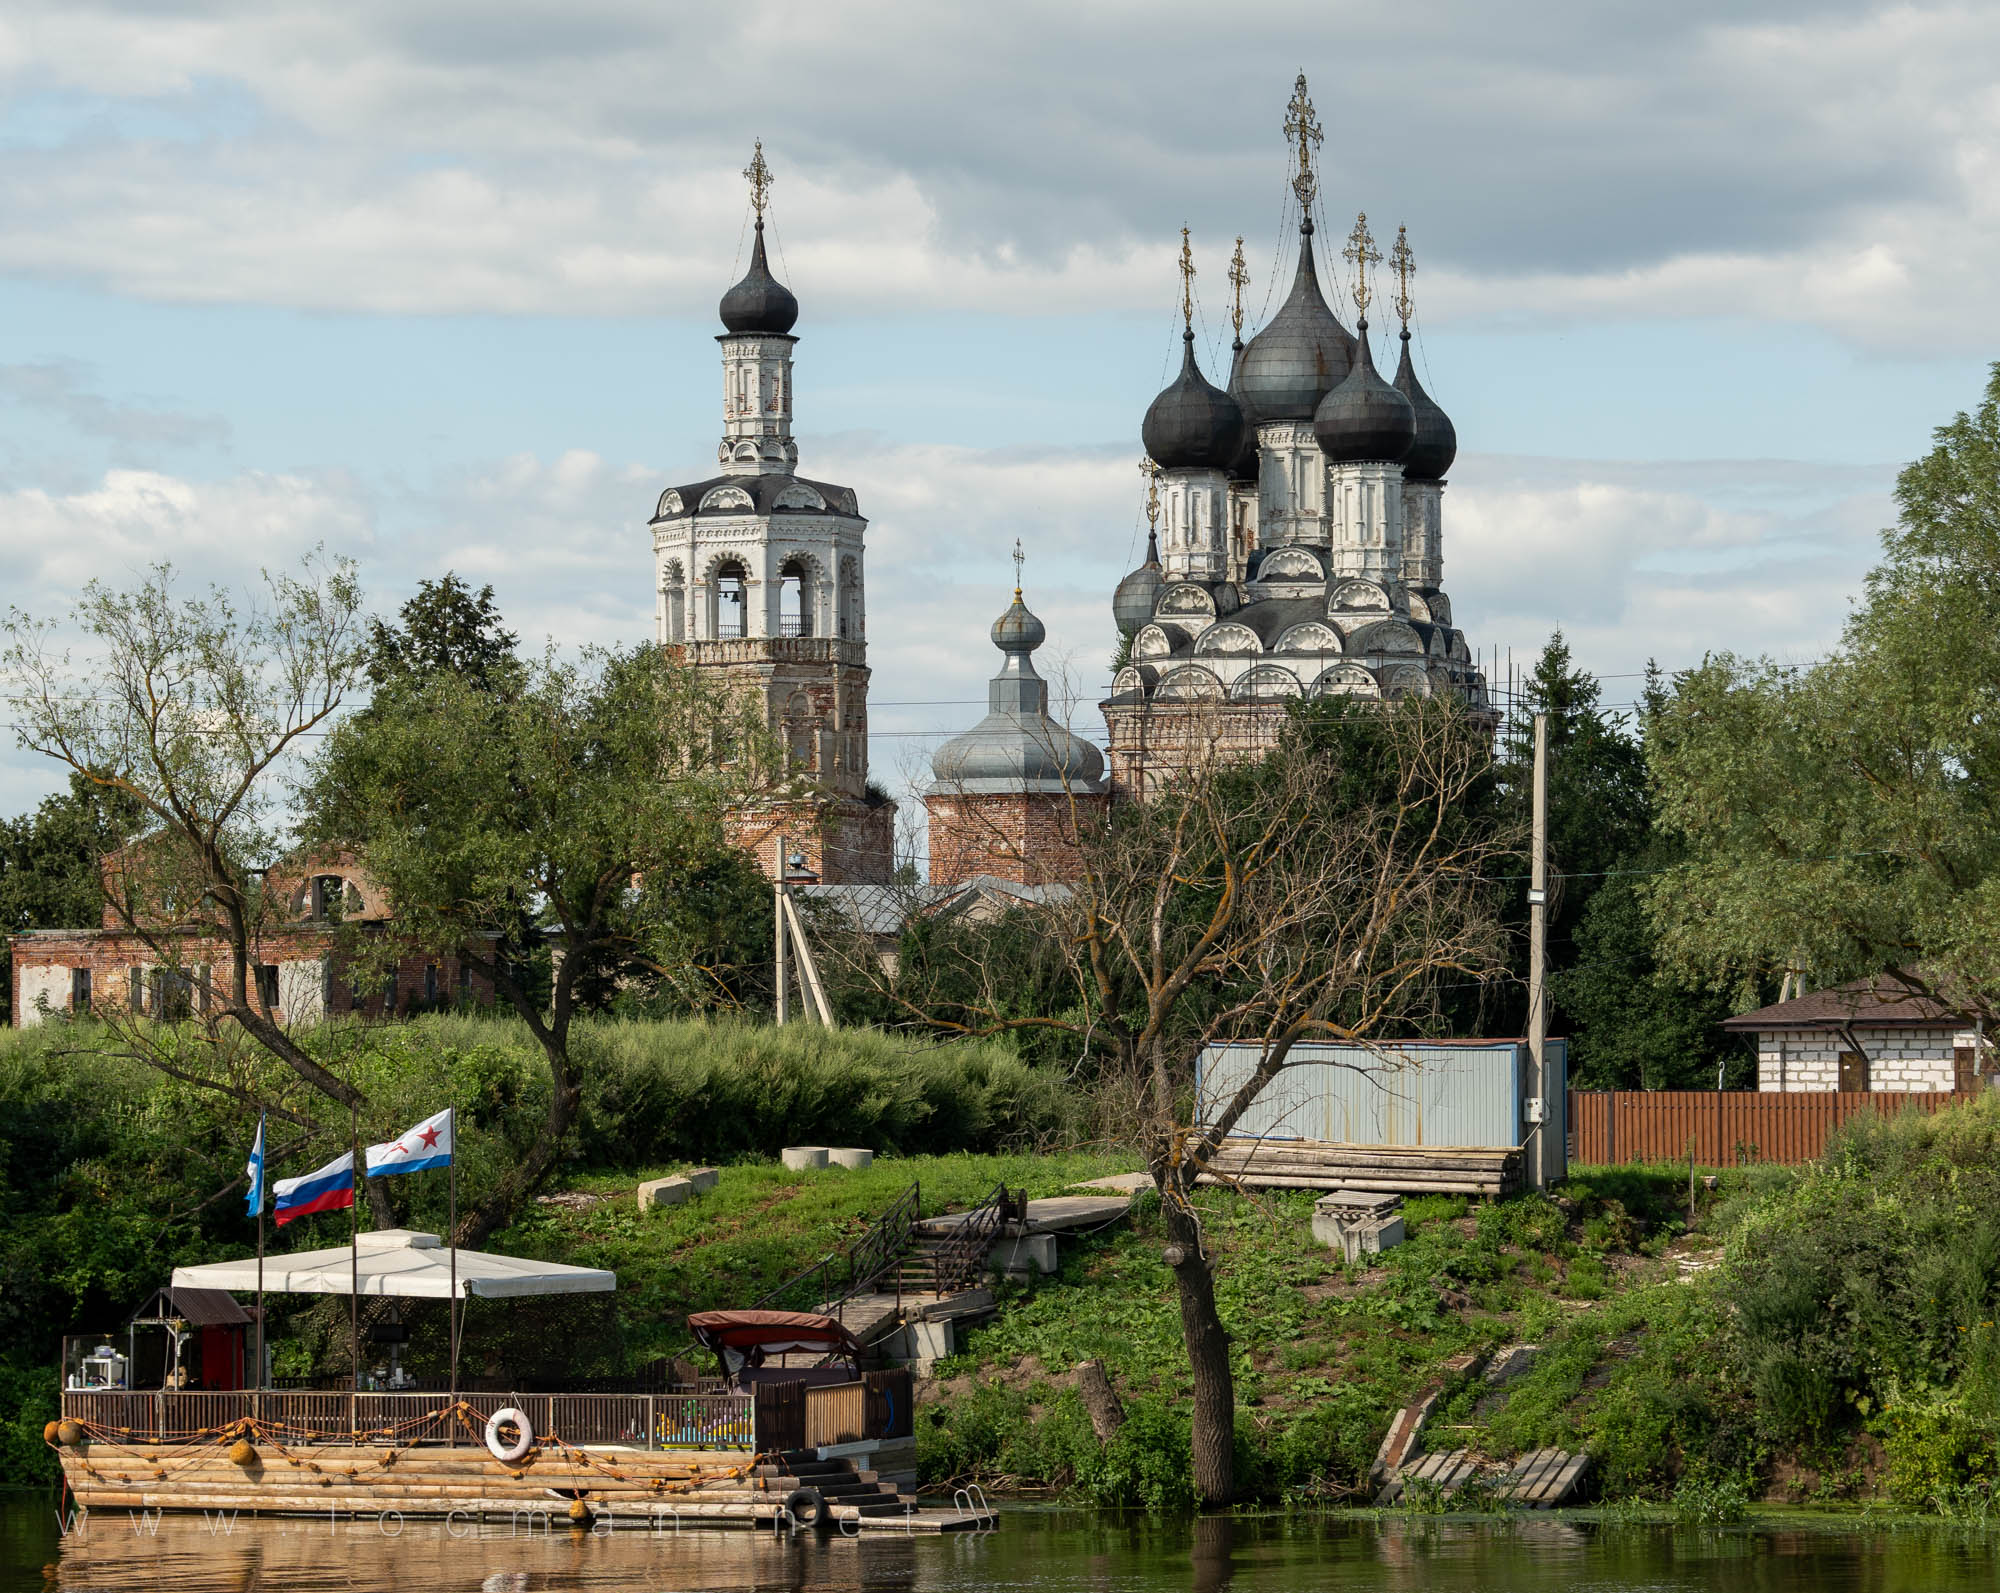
(1035, 1549)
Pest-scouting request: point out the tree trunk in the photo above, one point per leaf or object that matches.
(1207, 1340)
(1100, 1400)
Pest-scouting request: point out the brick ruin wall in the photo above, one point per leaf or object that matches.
(1028, 839)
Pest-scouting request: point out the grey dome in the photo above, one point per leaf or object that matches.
(1193, 424)
(1244, 466)
(1436, 444)
(1364, 418)
(1301, 356)
(1139, 593)
(1017, 747)
(760, 302)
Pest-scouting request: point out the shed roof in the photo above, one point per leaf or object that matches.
(1878, 1002)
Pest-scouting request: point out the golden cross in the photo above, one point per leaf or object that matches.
(760, 180)
(1187, 281)
(1405, 265)
(1302, 130)
(1018, 557)
(1151, 472)
(1239, 279)
(1362, 251)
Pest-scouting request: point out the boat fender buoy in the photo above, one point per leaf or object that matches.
(806, 1507)
(243, 1453)
(49, 1432)
(524, 1434)
(70, 1434)
(579, 1512)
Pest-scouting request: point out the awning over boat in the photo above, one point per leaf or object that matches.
(774, 1332)
(400, 1263)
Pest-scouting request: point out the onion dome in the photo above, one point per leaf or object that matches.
(760, 302)
(1364, 418)
(1301, 356)
(1430, 456)
(1139, 593)
(1017, 747)
(1193, 424)
(1244, 466)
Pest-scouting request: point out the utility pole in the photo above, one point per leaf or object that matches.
(1535, 1153)
(778, 920)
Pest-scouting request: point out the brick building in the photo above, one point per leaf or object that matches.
(303, 965)
(1009, 796)
(1872, 1034)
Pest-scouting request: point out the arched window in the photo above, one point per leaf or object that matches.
(795, 598)
(731, 587)
(673, 603)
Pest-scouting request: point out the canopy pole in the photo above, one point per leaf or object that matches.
(354, 1255)
(451, 1239)
(259, 1384)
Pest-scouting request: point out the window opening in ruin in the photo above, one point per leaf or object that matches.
(79, 990)
(267, 986)
(430, 981)
(794, 599)
(732, 601)
(799, 731)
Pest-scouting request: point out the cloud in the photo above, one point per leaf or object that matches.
(1822, 161)
(58, 386)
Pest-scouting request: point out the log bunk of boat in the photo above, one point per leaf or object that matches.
(794, 1434)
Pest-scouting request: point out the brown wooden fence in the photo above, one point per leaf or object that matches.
(1725, 1127)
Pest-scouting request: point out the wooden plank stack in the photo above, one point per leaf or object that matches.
(1544, 1479)
(1395, 1169)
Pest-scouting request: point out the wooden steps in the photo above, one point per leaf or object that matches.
(1537, 1481)
(1392, 1169)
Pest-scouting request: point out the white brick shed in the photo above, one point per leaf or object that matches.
(1871, 1034)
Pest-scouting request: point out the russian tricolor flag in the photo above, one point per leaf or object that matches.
(425, 1146)
(329, 1189)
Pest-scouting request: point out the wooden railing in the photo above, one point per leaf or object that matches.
(1723, 1128)
(836, 1415)
(646, 1421)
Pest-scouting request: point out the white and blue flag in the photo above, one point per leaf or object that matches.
(254, 1201)
(425, 1146)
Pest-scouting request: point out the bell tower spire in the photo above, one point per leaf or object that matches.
(757, 356)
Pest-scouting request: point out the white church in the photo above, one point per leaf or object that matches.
(1296, 552)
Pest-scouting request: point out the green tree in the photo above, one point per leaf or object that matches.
(565, 806)
(446, 629)
(1842, 818)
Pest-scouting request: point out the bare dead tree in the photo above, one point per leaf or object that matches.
(1322, 893)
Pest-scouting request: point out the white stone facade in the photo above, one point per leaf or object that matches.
(1195, 514)
(1911, 1060)
(1365, 503)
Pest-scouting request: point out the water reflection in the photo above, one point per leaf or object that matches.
(1035, 1551)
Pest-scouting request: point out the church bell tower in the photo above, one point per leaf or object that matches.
(759, 578)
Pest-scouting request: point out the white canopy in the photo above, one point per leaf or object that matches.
(397, 1261)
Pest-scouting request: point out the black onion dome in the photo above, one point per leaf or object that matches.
(1301, 356)
(1244, 466)
(1364, 418)
(760, 302)
(1138, 594)
(1430, 456)
(1193, 424)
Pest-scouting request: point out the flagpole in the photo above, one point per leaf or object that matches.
(263, 1163)
(451, 1239)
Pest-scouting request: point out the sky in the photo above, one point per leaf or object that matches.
(433, 285)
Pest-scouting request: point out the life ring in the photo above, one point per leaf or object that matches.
(524, 1439)
(806, 1507)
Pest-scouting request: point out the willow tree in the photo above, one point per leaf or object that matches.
(1843, 820)
(1326, 893)
(542, 816)
(190, 709)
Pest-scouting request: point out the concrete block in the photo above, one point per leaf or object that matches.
(803, 1158)
(920, 1344)
(850, 1157)
(704, 1179)
(1031, 1252)
(664, 1192)
(1354, 1236)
